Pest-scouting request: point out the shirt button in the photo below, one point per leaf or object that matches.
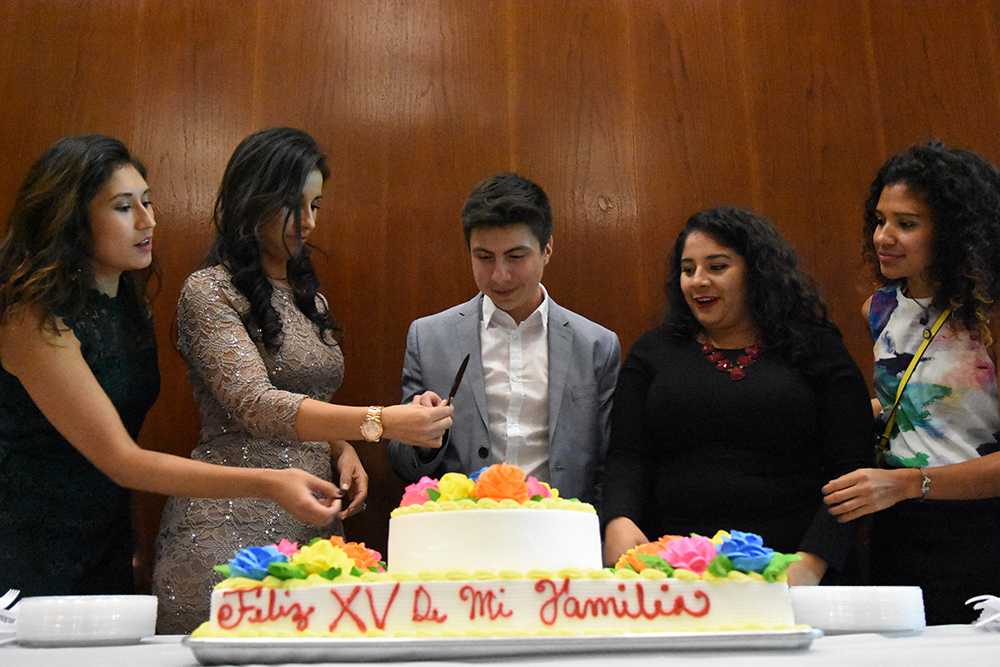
(483, 452)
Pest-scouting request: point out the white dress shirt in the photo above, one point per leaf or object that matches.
(516, 373)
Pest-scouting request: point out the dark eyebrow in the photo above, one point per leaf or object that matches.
(911, 214)
(719, 255)
(128, 194)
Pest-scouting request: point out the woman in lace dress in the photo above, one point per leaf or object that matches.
(78, 373)
(263, 355)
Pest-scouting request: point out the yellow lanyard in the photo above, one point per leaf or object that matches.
(883, 441)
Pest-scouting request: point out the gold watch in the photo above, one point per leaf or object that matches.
(371, 427)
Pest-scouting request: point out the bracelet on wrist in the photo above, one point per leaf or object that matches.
(925, 483)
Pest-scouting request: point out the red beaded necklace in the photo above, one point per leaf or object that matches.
(735, 370)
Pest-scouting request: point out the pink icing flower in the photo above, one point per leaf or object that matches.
(689, 553)
(536, 488)
(287, 548)
(416, 494)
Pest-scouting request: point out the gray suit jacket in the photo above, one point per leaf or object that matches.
(583, 370)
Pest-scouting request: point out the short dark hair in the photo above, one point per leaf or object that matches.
(508, 199)
(783, 301)
(962, 191)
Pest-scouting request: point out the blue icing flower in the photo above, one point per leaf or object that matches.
(746, 551)
(252, 562)
(475, 475)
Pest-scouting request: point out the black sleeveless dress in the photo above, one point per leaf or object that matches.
(65, 527)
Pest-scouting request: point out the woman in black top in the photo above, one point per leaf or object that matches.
(78, 373)
(735, 411)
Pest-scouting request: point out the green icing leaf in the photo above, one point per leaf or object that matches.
(721, 566)
(433, 494)
(287, 571)
(223, 570)
(372, 568)
(383, 565)
(355, 572)
(778, 564)
(331, 574)
(657, 563)
(536, 498)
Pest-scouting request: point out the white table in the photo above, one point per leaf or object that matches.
(936, 646)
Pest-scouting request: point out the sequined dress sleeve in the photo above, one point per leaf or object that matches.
(247, 398)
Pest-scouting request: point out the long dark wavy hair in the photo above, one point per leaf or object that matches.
(264, 178)
(783, 301)
(45, 255)
(962, 191)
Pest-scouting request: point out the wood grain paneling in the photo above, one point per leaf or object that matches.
(631, 113)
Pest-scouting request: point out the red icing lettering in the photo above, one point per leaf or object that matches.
(424, 609)
(482, 603)
(252, 609)
(560, 601)
(380, 620)
(345, 608)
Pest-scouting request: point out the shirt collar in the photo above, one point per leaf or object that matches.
(540, 314)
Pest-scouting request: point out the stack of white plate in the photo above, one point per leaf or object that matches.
(77, 620)
(845, 609)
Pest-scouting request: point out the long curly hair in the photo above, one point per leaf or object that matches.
(782, 300)
(962, 191)
(45, 255)
(264, 178)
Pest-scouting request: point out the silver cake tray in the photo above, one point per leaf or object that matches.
(273, 650)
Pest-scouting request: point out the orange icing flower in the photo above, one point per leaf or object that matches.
(502, 481)
(362, 556)
(629, 559)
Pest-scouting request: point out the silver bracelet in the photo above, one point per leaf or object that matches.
(925, 483)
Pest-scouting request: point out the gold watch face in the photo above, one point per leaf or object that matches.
(371, 430)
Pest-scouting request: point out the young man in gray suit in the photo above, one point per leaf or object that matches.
(537, 391)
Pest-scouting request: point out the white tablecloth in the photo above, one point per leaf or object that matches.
(936, 646)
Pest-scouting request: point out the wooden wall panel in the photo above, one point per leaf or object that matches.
(571, 112)
(809, 89)
(693, 139)
(937, 65)
(631, 113)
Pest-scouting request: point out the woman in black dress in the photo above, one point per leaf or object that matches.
(734, 412)
(78, 373)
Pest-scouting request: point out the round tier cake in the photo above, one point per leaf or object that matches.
(494, 539)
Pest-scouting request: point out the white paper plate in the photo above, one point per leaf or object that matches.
(269, 650)
(843, 609)
(85, 620)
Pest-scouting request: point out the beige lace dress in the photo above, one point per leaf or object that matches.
(248, 399)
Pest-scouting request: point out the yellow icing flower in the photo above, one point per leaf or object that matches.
(455, 486)
(321, 556)
(552, 490)
(719, 536)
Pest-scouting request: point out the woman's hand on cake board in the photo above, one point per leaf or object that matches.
(352, 475)
(620, 535)
(807, 571)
